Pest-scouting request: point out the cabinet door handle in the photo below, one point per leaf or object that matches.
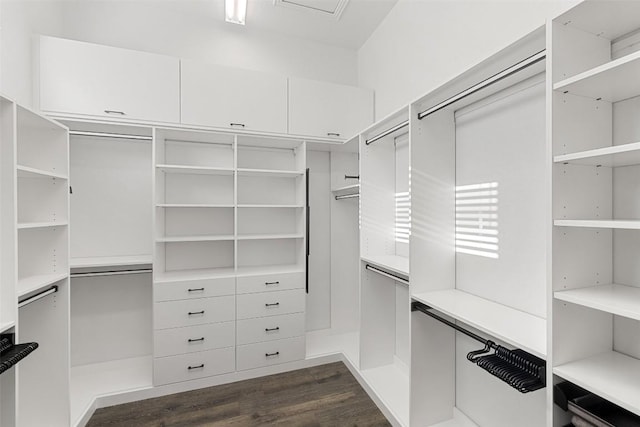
(271, 283)
(272, 304)
(196, 339)
(196, 290)
(191, 313)
(272, 354)
(120, 113)
(333, 134)
(237, 124)
(277, 328)
(196, 367)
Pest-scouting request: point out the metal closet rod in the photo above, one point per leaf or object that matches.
(387, 274)
(112, 273)
(110, 135)
(39, 295)
(387, 132)
(347, 196)
(507, 72)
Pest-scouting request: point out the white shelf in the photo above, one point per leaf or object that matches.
(347, 190)
(599, 223)
(391, 384)
(178, 239)
(6, 326)
(198, 170)
(393, 263)
(34, 283)
(614, 156)
(517, 328)
(29, 172)
(269, 269)
(107, 378)
(459, 420)
(116, 261)
(610, 375)
(616, 299)
(28, 225)
(269, 172)
(209, 273)
(193, 205)
(614, 81)
(270, 236)
(270, 206)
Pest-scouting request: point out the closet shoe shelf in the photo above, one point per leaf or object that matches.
(620, 300)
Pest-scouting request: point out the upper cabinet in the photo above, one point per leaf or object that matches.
(328, 110)
(233, 98)
(95, 80)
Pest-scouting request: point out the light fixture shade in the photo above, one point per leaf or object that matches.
(235, 11)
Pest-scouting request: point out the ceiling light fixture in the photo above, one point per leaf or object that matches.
(235, 11)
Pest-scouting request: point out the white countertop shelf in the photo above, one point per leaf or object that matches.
(599, 223)
(269, 269)
(613, 156)
(193, 205)
(614, 81)
(29, 225)
(270, 236)
(610, 375)
(347, 190)
(200, 274)
(31, 284)
(515, 327)
(620, 300)
(198, 170)
(29, 172)
(179, 239)
(269, 172)
(393, 263)
(110, 261)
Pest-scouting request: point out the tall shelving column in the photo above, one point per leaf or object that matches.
(596, 172)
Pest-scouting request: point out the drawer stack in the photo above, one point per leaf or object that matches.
(194, 329)
(270, 319)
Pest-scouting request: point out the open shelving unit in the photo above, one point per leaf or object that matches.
(596, 289)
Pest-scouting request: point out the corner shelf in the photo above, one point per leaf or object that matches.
(34, 283)
(197, 170)
(620, 300)
(614, 81)
(29, 225)
(613, 156)
(177, 239)
(610, 375)
(393, 263)
(599, 223)
(516, 328)
(29, 172)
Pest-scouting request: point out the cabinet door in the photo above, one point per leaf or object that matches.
(233, 98)
(89, 79)
(328, 110)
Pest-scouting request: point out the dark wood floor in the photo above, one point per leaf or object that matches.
(326, 395)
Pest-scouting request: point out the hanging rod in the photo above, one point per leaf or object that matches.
(110, 135)
(39, 295)
(507, 72)
(347, 196)
(112, 273)
(387, 132)
(352, 176)
(387, 274)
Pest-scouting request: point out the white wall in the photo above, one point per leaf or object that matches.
(422, 44)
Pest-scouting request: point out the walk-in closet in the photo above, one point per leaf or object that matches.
(246, 212)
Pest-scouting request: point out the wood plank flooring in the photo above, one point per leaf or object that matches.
(326, 395)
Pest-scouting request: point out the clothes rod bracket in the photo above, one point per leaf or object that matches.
(387, 274)
(52, 290)
(387, 132)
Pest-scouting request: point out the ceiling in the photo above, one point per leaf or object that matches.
(358, 19)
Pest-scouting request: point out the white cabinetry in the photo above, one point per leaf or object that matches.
(328, 110)
(223, 97)
(78, 78)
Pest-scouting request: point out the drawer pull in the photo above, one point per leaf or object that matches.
(272, 304)
(196, 339)
(271, 283)
(333, 134)
(192, 313)
(277, 353)
(121, 113)
(237, 124)
(196, 290)
(277, 328)
(196, 367)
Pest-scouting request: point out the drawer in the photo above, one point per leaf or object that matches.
(169, 291)
(270, 353)
(270, 328)
(191, 366)
(270, 282)
(175, 314)
(169, 342)
(270, 303)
